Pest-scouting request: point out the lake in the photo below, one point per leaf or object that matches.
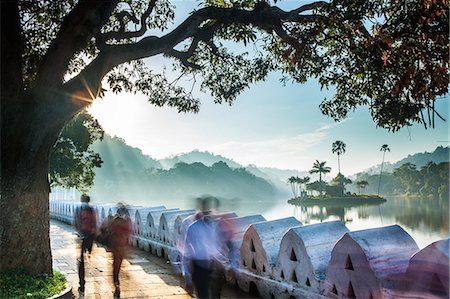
(424, 219)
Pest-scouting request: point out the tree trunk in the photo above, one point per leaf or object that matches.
(24, 208)
(24, 227)
(29, 130)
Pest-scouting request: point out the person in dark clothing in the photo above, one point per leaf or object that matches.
(86, 225)
(120, 228)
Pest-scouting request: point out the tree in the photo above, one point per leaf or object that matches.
(409, 177)
(338, 148)
(304, 181)
(293, 182)
(384, 148)
(341, 180)
(362, 185)
(434, 181)
(72, 163)
(59, 56)
(319, 167)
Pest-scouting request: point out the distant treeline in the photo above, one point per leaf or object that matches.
(429, 181)
(182, 181)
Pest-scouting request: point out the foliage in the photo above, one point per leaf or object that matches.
(319, 167)
(361, 185)
(73, 163)
(431, 181)
(391, 56)
(59, 56)
(384, 148)
(340, 180)
(293, 181)
(398, 69)
(181, 182)
(409, 177)
(318, 186)
(435, 181)
(338, 147)
(17, 283)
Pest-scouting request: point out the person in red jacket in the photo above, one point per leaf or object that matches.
(120, 230)
(86, 225)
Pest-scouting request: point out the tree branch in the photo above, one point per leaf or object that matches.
(77, 28)
(103, 38)
(263, 16)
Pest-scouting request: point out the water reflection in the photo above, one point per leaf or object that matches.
(426, 220)
(319, 213)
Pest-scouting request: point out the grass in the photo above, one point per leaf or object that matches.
(17, 283)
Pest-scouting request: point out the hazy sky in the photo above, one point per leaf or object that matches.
(268, 125)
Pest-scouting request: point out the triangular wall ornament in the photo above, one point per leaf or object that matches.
(252, 246)
(334, 290)
(294, 277)
(350, 291)
(308, 283)
(293, 256)
(349, 264)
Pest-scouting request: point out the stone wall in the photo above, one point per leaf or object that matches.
(282, 259)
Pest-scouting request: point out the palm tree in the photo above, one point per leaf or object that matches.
(384, 148)
(319, 167)
(302, 184)
(362, 185)
(293, 182)
(338, 147)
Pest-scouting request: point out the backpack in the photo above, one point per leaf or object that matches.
(87, 222)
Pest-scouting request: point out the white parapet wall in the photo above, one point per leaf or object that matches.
(167, 228)
(373, 263)
(260, 247)
(427, 274)
(305, 252)
(240, 226)
(365, 263)
(141, 225)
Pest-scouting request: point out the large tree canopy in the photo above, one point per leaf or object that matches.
(58, 56)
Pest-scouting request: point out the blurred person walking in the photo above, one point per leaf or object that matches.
(86, 225)
(119, 228)
(203, 257)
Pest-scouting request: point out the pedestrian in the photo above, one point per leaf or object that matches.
(120, 228)
(203, 257)
(86, 225)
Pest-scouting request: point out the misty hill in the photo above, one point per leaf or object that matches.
(127, 173)
(278, 177)
(275, 176)
(203, 157)
(183, 181)
(439, 155)
(117, 155)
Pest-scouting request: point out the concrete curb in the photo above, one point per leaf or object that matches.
(65, 294)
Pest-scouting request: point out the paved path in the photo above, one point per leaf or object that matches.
(142, 275)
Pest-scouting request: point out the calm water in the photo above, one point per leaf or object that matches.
(425, 220)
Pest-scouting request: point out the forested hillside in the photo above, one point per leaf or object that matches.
(127, 173)
(439, 155)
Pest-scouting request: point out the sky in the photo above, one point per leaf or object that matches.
(269, 125)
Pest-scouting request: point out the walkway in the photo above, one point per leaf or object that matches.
(142, 276)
